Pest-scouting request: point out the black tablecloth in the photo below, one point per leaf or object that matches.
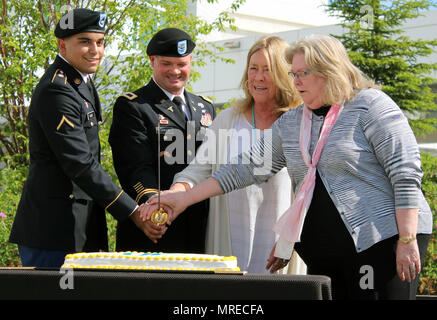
(85, 285)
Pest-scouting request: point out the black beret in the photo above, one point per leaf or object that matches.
(170, 42)
(80, 20)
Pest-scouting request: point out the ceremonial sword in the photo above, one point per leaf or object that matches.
(159, 216)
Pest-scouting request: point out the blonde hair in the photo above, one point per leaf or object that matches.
(274, 49)
(327, 57)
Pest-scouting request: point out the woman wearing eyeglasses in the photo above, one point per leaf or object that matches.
(359, 215)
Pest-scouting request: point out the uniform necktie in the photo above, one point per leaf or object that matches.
(91, 89)
(181, 105)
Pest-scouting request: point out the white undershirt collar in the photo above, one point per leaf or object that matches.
(171, 95)
(85, 76)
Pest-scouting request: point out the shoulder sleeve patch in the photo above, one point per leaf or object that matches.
(206, 99)
(59, 75)
(129, 95)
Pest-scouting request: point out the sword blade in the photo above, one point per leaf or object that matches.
(159, 164)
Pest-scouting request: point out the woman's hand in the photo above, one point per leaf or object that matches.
(407, 254)
(178, 200)
(407, 260)
(274, 263)
(174, 201)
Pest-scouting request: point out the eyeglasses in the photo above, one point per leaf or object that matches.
(301, 75)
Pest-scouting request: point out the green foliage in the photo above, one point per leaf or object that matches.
(11, 183)
(429, 180)
(377, 45)
(429, 187)
(26, 46)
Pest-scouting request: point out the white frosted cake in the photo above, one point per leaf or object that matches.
(150, 261)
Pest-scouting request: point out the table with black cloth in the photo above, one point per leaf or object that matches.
(69, 284)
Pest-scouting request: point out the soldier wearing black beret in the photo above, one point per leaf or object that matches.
(62, 207)
(182, 117)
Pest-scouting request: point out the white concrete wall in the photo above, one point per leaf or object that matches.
(260, 16)
(220, 81)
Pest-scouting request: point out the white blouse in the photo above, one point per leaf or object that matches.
(254, 210)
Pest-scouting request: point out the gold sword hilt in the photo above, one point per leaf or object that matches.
(159, 217)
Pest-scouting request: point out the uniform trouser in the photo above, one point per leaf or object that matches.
(41, 258)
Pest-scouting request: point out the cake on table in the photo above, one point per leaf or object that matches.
(150, 261)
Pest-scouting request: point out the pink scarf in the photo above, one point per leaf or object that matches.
(289, 226)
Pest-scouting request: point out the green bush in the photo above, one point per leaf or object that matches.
(112, 224)
(11, 183)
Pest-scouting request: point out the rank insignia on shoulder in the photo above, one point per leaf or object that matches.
(129, 95)
(59, 74)
(64, 120)
(206, 99)
(206, 119)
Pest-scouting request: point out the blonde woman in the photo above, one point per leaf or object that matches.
(240, 223)
(359, 215)
(368, 223)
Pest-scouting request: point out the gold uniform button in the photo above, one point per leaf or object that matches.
(189, 137)
(189, 153)
(71, 196)
(165, 138)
